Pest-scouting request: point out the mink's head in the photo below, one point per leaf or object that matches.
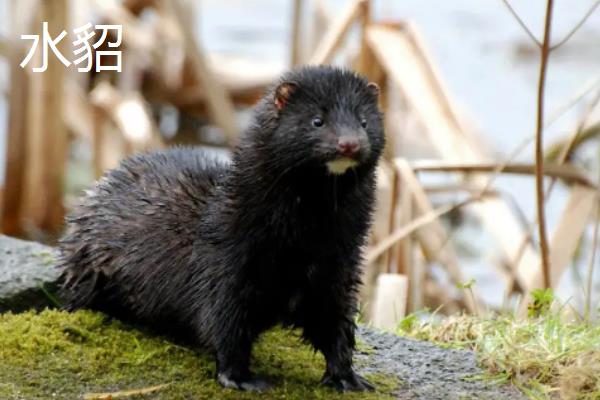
(322, 117)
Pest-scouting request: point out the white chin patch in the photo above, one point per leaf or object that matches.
(341, 165)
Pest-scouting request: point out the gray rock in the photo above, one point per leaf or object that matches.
(27, 275)
(426, 371)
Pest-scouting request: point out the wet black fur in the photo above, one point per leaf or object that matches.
(178, 241)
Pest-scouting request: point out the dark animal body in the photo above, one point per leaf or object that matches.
(223, 251)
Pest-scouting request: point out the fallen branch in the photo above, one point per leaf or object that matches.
(124, 394)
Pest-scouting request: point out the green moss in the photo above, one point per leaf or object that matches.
(364, 348)
(61, 355)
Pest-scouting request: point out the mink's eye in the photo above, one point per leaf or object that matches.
(363, 123)
(317, 122)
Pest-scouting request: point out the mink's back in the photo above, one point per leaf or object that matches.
(139, 220)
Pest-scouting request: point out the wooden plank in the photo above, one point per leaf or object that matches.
(135, 35)
(436, 80)
(80, 112)
(394, 267)
(16, 142)
(404, 214)
(10, 215)
(245, 81)
(389, 303)
(567, 233)
(336, 34)
(321, 20)
(407, 260)
(410, 71)
(295, 48)
(130, 114)
(365, 59)
(220, 105)
(4, 48)
(407, 69)
(99, 141)
(47, 139)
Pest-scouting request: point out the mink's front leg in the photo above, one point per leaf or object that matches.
(329, 326)
(233, 348)
(233, 370)
(338, 355)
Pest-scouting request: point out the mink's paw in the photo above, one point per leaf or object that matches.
(250, 384)
(351, 382)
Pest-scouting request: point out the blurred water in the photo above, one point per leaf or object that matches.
(484, 57)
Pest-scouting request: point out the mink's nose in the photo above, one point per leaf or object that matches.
(348, 147)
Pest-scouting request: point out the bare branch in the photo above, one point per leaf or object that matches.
(520, 21)
(566, 172)
(539, 150)
(581, 93)
(591, 264)
(577, 26)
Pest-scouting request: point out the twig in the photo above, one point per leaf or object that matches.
(567, 172)
(124, 393)
(574, 139)
(562, 151)
(539, 150)
(577, 26)
(559, 112)
(520, 21)
(590, 267)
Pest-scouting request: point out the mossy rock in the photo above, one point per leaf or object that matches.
(60, 355)
(27, 275)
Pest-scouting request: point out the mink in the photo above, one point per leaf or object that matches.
(224, 250)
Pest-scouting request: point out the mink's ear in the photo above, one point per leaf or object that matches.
(283, 93)
(373, 88)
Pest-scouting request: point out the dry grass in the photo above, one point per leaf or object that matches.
(547, 357)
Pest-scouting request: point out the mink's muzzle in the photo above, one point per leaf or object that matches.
(345, 143)
(348, 147)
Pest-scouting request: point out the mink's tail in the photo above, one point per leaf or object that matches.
(82, 279)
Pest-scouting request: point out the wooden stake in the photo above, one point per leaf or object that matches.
(296, 50)
(219, 102)
(47, 140)
(365, 57)
(16, 142)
